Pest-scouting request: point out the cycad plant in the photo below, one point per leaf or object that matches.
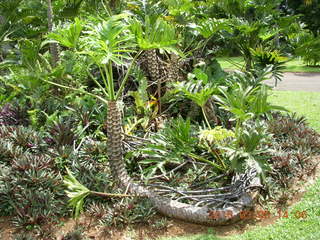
(269, 58)
(246, 102)
(53, 46)
(250, 147)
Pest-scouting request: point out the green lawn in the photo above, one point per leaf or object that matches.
(295, 65)
(304, 103)
(291, 228)
(231, 62)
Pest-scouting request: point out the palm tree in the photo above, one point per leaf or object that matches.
(111, 43)
(121, 42)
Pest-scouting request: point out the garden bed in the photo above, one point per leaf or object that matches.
(116, 118)
(162, 227)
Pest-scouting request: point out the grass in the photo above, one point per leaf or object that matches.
(294, 65)
(304, 103)
(291, 228)
(231, 62)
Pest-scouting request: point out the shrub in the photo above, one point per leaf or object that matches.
(307, 46)
(30, 188)
(13, 115)
(31, 185)
(293, 144)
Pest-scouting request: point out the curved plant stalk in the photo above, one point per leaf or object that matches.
(201, 159)
(125, 79)
(166, 206)
(205, 117)
(78, 90)
(172, 208)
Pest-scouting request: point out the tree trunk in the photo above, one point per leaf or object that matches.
(154, 72)
(54, 51)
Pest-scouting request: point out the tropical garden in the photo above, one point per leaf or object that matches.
(118, 115)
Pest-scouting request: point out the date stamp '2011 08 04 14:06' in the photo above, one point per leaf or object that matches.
(258, 214)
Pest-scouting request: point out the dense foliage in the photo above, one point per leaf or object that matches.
(185, 121)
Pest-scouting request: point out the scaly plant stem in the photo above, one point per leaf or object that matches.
(205, 117)
(54, 51)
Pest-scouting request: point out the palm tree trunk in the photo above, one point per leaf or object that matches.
(53, 46)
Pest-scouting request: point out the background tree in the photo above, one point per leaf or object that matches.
(53, 46)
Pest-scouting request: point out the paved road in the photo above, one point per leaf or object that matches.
(309, 82)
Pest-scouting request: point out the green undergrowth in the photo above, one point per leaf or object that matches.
(294, 65)
(293, 227)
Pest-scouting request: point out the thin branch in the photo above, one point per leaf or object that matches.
(78, 90)
(125, 79)
(113, 195)
(99, 85)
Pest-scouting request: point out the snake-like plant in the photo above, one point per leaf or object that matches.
(111, 43)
